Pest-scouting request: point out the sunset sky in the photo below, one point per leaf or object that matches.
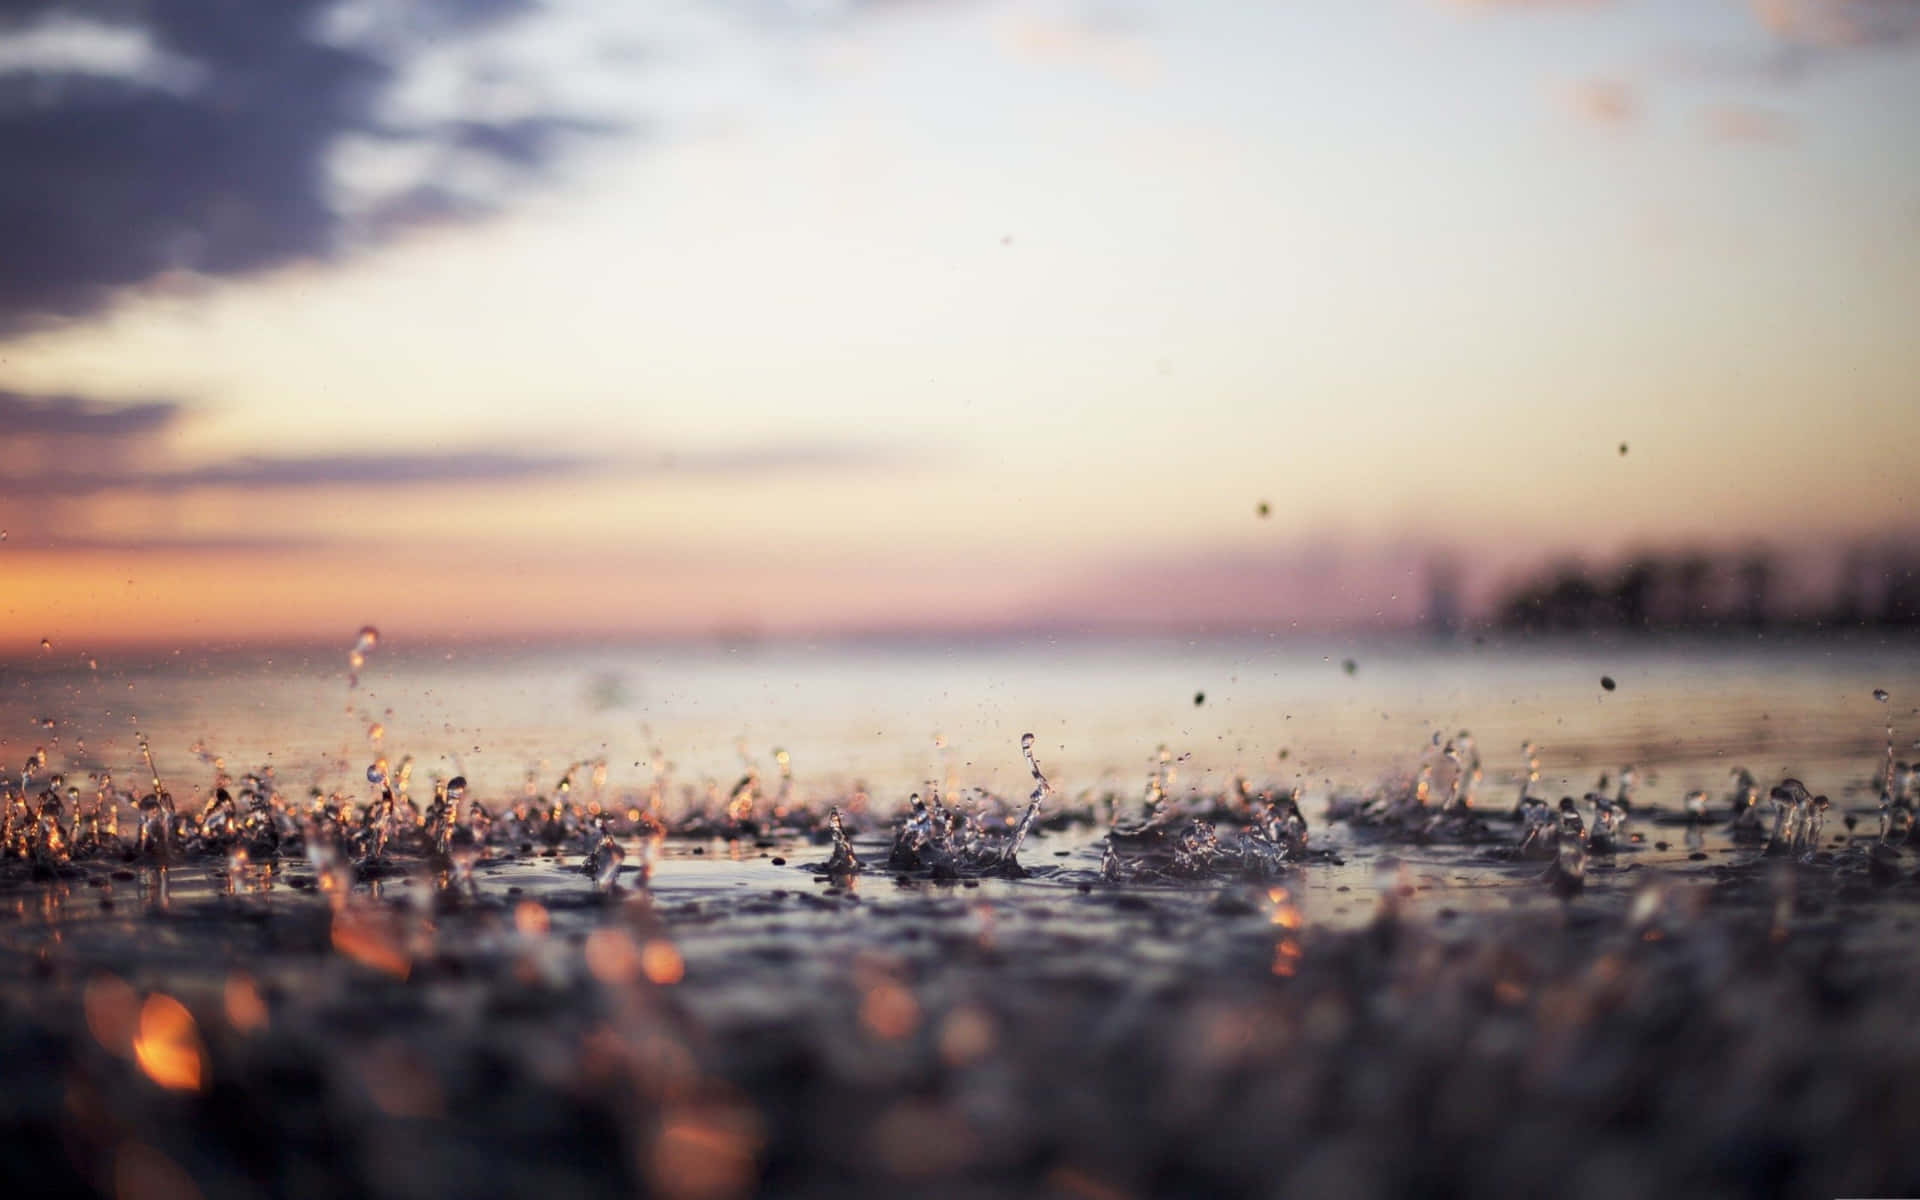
(492, 317)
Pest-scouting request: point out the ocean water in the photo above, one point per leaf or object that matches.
(888, 718)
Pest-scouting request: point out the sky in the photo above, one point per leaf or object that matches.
(480, 318)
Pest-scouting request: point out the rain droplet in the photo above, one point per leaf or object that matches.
(357, 657)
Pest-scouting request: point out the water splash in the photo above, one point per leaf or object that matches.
(1010, 858)
(1608, 817)
(466, 840)
(1405, 805)
(1568, 874)
(843, 863)
(1792, 808)
(1744, 801)
(742, 801)
(606, 858)
(1539, 830)
(949, 843)
(363, 645)
(1464, 759)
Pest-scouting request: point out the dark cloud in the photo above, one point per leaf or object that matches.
(99, 449)
(262, 473)
(74, 417)
(110, 180)
(438, 468)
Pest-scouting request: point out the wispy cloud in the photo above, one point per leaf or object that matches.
(167, 544)
(257, 474)
(778, 457)
(1841, 24)
(1746, 124)
(1101, 40)
(1518, 5)
(69, 447)
(1604, 103)
(1802, 37)
(61, 43)
(77, 417)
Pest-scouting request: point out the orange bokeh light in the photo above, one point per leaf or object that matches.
(168, 1044)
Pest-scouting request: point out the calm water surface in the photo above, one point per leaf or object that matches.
(890, 718)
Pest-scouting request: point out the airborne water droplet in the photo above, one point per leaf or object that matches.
(357, 657)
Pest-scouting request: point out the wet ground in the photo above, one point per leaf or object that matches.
(1387, 1019)
(1405, 1003)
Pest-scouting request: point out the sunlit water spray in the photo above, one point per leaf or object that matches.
(363, 645)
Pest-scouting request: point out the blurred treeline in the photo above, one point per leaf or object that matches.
(1698, 591)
